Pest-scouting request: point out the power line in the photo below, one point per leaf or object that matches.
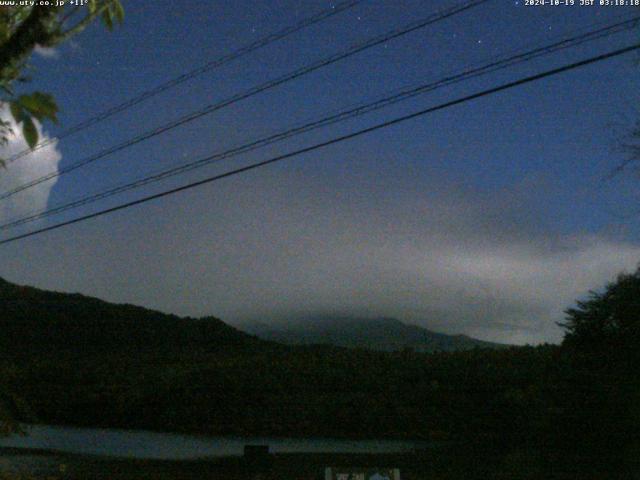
(333, 141)
(218, 62)
(343, 115)
(253, 91)
(431, 19)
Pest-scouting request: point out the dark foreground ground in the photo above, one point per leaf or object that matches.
(22, 465)
(443, 464)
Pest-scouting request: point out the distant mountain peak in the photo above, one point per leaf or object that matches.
(374, 333)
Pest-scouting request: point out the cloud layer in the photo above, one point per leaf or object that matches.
(431, 251)
(438, 254)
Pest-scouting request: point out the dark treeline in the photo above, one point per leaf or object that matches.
(34, 321)
(572, 408)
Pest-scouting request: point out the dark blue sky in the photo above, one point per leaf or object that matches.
(510, 181)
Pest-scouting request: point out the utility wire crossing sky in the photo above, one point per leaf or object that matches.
(489, 219)
(386, 124)
(340, 116)
(174, 82)
(412, 27)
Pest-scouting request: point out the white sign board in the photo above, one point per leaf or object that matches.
(337, 473)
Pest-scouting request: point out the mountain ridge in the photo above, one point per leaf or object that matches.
(374, 333)
(31, 318)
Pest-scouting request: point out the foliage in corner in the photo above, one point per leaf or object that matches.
(13, 409)
(608, 320)
(599, 392)
(22, 29)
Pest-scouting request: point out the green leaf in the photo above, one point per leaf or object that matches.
(16, 111)
(40, 105)
(118, 10)
(5, 32)
(30, 132)
(107, 18)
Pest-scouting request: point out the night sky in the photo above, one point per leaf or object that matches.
(487, 218)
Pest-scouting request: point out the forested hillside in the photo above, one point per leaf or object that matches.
(33, 320)
(68, 359)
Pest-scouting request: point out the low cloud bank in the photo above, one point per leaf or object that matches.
(437, 252)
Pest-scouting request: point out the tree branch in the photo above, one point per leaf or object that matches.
(78, 27)
(35, 30)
